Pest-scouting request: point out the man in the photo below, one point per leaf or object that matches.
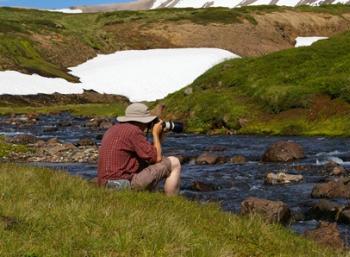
(126, 154)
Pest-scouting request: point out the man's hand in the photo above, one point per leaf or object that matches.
(157, 128)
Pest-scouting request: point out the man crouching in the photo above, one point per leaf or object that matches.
(125, 153)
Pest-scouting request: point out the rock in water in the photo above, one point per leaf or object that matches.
(282, 178)
(238, 159)
(207, 158)
(334, 168)
(326, 234)
(326, 210)
(283, 151)
(338, 188)
(203, 187)
(271, 211)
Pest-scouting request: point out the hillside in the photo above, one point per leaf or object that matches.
(297, 91)
(48, 43)
(156, 4)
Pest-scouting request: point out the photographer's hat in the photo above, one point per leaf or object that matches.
(137, 112)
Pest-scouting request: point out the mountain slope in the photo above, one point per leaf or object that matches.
(157, 4)
(48, 43)
(297, 91)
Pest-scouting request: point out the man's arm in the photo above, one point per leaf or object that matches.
(157, 132)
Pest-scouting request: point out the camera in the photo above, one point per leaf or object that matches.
(176, 127)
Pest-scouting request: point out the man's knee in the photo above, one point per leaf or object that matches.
(175, 163)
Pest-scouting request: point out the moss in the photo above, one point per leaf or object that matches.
(103, 110)
(6, 149)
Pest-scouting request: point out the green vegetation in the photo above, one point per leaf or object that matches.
(297, 91)
(6, 149)
(106, 110)
(198, 16)
(50, 213)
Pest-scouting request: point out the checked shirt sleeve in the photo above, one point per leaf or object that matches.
(143, 148)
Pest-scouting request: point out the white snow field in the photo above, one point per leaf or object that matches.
(307, 41)
(16, 83)
(235, 3)
(140, 75)
(66, 10)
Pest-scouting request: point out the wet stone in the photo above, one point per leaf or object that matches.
(283, 151)
(207, 158)
(238, 159)
(86, 142)
(203, 187)
(326, 210)
(271, 211)
(337, 188)
(334, 168)
(282, 178)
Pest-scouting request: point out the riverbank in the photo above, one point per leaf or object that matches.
(54, 214)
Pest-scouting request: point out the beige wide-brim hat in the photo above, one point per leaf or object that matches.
(137, 112)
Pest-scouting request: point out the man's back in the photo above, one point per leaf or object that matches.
(123, 150)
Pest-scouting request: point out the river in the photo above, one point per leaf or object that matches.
(234, 182)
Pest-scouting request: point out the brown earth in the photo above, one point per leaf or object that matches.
(59, 99)
(273, 32)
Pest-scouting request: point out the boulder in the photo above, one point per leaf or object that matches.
(207, 158)
(325, 210)
(50, 129)
(203, 187)
(105, 125)
(344, 216)
(99, 123)
(238, 159)
(54, 150)
(53, 141)
(334, 168)
(326, 234)
(216, 148)
(271, 211)
(22, 139)
(85, 142)
(338, 188)
(282, 178)
(64, 123)
(283, 151)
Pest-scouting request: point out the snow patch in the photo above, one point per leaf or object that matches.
(140, 75)
(232, 3)
(16, 83)
(307, 41)
(66, 10)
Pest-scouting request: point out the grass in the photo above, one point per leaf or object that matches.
(55, 214)
(103, 110)
(274, 86)
(6, 149)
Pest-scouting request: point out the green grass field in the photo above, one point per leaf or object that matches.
(50, 213)
(101, 110)
(261, 89)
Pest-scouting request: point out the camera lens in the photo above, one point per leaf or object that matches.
(176, 127)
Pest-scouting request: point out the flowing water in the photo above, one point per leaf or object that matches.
(235, 182)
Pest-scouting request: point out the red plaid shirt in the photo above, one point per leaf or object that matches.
(124, 151)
